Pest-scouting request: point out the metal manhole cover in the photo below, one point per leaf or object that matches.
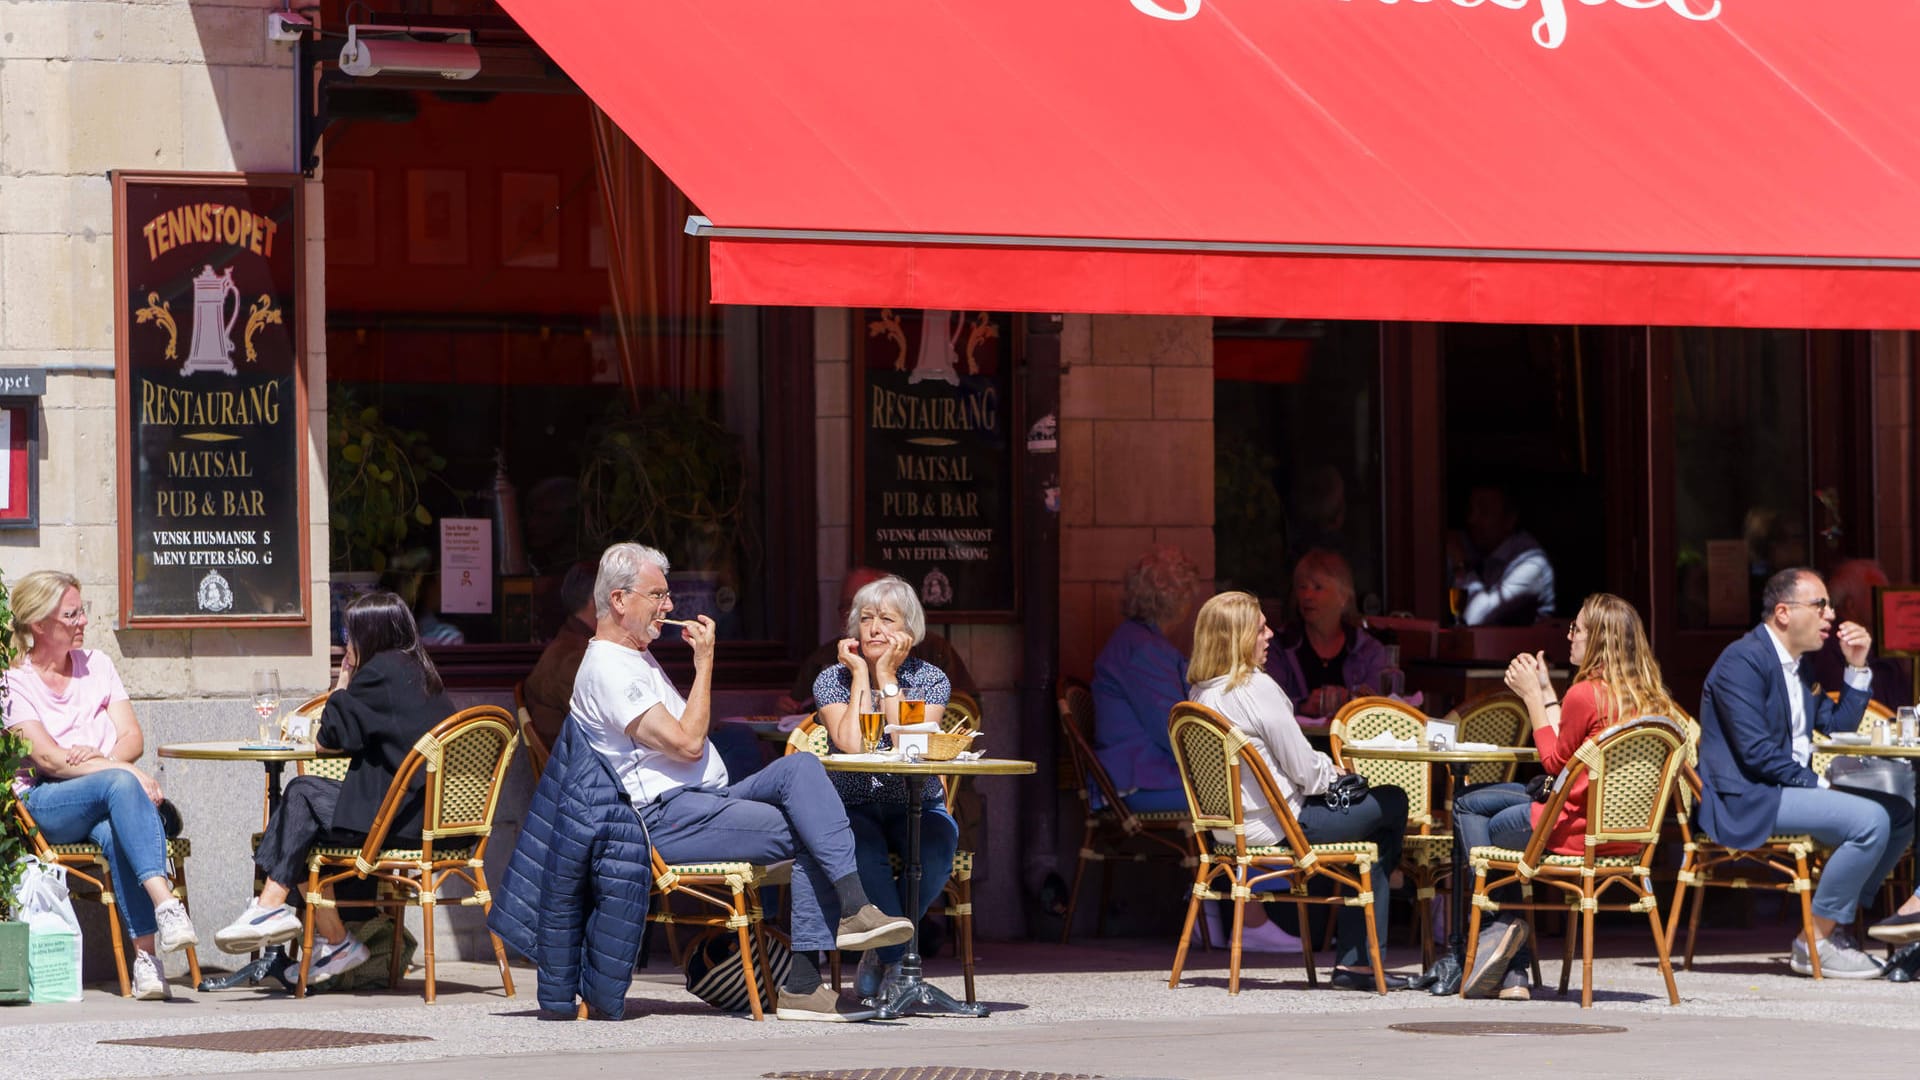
(1484, 1027)
(927, 1072)
(269, 1040)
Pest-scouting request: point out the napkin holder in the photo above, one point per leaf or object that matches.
(1441, 734)
(910, 740)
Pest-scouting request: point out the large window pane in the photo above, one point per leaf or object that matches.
(1740, 460)
(1297, 451)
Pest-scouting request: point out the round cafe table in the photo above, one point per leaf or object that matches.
(1838, 749)
(273, 962)
(1443, 978)
(911, 993)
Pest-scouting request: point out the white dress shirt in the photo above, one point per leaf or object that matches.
(1857, 677)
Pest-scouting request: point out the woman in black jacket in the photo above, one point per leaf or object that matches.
(388, 696)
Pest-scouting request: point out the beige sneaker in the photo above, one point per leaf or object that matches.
(824, 1005)
(871, 928)
(1517, 986)
(149, 982)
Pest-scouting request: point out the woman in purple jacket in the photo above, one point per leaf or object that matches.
(1139, 676)
(1323, 653)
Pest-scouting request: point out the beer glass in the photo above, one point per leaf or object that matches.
(266, 702)
(913, 709)
(872, 720)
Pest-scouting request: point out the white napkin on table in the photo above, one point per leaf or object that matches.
(1475, 747)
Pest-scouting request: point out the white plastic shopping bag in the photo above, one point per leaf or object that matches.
(53, 943)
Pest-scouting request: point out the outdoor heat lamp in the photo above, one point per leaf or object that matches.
(394, 50)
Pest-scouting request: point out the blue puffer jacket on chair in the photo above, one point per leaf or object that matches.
(574, 898)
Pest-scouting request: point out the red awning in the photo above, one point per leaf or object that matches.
(1704, 162)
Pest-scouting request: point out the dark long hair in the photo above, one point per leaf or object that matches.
(381, 622)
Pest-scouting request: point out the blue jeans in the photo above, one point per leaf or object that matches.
(1493, 815)
(880, 828)
(1154, 800)
(109, 808)
(1865, 842)
(788, 810)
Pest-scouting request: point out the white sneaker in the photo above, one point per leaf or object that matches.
(149, 982)
(1837, 960)
(331, 960)
(175, 930)
(258, 927)
(1267, 938)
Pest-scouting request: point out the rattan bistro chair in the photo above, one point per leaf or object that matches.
(1112, 832)
(1427, 856)
(89, 875)
(1787, 863)
(1632, 770)
(726, 896)
(465, 759)
(537, 749)
(1212, 754)
(1499, 719)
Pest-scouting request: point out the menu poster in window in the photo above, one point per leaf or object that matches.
(212, 399)
(935, 478)
(1898, 607)
(466, 566)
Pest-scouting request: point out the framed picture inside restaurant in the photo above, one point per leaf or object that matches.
(212, 399)
(936, 418)
(1896, 617)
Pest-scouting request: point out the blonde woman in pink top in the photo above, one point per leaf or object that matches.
(82, 785)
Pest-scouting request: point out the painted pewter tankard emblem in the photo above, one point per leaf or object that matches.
(212, 345)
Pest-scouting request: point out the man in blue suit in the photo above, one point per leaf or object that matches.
(1758, 713)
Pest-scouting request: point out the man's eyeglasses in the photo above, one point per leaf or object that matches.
(660, 597)
(1820, 604)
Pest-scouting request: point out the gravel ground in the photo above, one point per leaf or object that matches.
(1048, 1000)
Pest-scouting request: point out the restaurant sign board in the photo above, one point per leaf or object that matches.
(212, 399)
(936, 416)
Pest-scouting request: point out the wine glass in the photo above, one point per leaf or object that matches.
(266, 702)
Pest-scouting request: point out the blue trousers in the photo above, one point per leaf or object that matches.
(880, 829)
(1497, 815)
(1867, 835)
(788, 810)
(109, 808)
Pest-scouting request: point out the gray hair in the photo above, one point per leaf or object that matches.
(889, 592)
(620, 571)
(1159, 585)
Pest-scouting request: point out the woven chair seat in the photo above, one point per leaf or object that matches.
(1428, 850)
(441, 853)
(962, 863)
(1270, 851)
(177, 848)
(1169, 816)
(1782, 840)
(1574, 862)
(715, 869)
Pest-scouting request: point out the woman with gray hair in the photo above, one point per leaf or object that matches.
(1139, 676)
(883, 624)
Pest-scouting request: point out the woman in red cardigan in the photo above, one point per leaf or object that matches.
(1616, 679)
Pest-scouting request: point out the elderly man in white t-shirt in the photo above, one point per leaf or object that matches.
(657, 743)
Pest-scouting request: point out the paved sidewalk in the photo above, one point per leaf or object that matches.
(1101, 1009)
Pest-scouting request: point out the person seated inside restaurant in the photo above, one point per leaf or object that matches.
(1758, 712)
(931, 648)
(1616, 679)
(1851, 586)
(885, 622)
(80, 782)
(1231, 640)
(1323, 657)
(549, 687)
(657, 742)
(1502, 570)
(1139, 676)
(387, 696)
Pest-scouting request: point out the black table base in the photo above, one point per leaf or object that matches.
(1443, 978)
(274, 963)
(909, 993)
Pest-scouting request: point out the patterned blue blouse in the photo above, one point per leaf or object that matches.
(834, 686)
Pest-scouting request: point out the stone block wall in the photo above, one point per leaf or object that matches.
(1136, 462)
(89, 86)
(170, 85)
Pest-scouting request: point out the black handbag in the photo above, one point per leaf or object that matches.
(1540, 788)
(1347, 791)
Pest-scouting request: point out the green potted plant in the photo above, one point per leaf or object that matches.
(13, 843)
(671, 475)
(376, 473)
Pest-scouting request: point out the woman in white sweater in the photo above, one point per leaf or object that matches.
(1228, 669)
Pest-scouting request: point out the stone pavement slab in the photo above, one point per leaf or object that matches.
(1102, 1008)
